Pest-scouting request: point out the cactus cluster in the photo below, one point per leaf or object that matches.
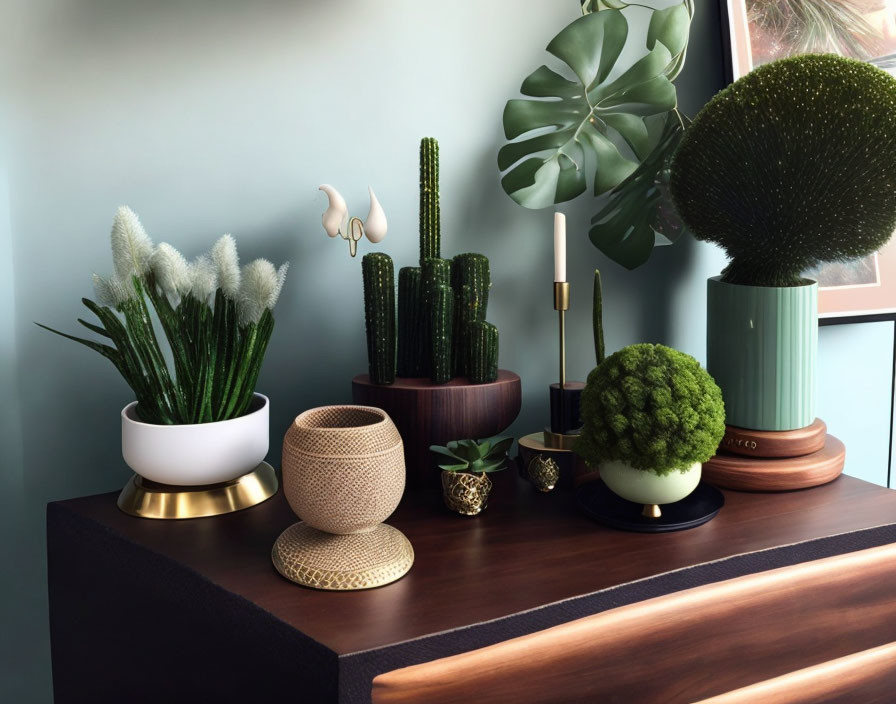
(442, 332)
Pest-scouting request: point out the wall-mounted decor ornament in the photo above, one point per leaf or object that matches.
(792, 141)
(612, 128)
(433, 358)
(197, 434)
(652, 416)
(343, 475)
(465, 466)
(337, 223)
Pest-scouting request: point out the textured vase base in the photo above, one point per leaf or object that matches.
(597, 501)
(312, 558)
(145, 499)
(775, 443)
(762, 474)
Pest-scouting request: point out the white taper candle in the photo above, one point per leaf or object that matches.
(559, 247)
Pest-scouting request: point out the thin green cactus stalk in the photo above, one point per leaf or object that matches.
(466, 311)
(436, 273)
(483, 364)
(430, 213)
(472, 270)
(379, 309)
(410, 322)
(597, 313)
(471, 281)
(441, 333)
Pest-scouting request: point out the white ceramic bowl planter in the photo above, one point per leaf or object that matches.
(199, 454)
(648, 488)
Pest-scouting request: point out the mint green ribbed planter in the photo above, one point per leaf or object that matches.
(762, 350)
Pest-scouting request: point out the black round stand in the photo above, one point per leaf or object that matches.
(597, 501)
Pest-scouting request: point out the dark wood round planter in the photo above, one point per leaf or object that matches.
(429, 414)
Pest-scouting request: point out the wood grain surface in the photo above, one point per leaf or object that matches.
(763, 474)
(681, 647)
(526, 550)
(867, 677)
(429, 414)
(769, 443)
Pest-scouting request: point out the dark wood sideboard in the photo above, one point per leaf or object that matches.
(144, 610)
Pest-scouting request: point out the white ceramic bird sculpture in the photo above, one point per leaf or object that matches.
(336, 220)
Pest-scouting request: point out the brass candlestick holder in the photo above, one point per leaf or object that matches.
(546, 458)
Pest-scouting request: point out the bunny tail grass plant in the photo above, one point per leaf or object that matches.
(792, 166)
(216, 318)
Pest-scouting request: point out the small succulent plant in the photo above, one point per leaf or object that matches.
(483, 456)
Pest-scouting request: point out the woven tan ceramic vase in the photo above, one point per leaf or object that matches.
(343, 475)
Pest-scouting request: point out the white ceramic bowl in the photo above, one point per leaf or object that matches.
(198, 454)
(649, 488)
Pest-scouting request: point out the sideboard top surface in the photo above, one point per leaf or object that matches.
(525, 551)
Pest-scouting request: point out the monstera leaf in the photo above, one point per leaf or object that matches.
(639, 213)
(597, 119)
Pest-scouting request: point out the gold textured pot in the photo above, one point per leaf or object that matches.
(343, 475)
(464, 492)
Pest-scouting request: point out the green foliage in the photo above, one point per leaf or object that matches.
(587, 118)
(379, 311)
(653, 407)
(441, 333)
(430, 213)
(472, 456)
(597, 318)
(792, 166)
(483, 340)
(615, 124)
(638, 213)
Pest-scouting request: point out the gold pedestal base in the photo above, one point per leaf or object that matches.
(145, 499)
(321, 560)
(651, 511)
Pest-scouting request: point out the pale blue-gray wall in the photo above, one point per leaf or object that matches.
(219, 116)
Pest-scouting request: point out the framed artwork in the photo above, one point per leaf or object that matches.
(759, 31)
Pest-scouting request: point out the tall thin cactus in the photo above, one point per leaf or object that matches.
(597, 314)
(411, 351)
(441, 333)
(483, 364)
(379, 309)
(430, 213)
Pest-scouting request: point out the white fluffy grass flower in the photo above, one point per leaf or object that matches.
(172, 272)
(261, 286)
(131, 246)
(203, 277)
(227, 262)
(112, 292)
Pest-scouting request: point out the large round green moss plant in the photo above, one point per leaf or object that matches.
(791, 166)
(653, 407)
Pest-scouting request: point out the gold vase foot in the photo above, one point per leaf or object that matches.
(145, 499)
(651, 511)
(312, 558)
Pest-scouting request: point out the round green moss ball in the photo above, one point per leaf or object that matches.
(792, 166)
(653, 407)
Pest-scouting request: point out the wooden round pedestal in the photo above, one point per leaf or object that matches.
(762, 474)
(430, 414)
(775, 443)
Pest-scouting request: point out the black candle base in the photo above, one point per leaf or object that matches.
(566, 415)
